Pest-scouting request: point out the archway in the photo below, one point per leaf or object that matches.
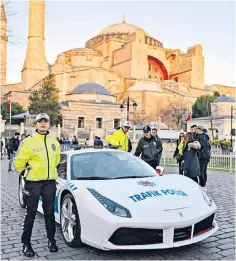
(157, 69)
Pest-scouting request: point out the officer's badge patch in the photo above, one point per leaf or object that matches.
(54, 147)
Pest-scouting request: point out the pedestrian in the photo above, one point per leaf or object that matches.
(22, 137)
(13, 146)
(41, 154)
(75, 141)
(159, 144)
(178, 154)
(98, 142)
(1, 149)
(204, 154)
(193, 129)
(147, 148)
(190, 164)
(120, 138)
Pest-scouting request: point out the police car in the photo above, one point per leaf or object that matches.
(112, 200)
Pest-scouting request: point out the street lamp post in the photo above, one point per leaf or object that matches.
(231, 128)
(128, 100)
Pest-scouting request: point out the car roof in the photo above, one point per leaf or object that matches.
(74, 152)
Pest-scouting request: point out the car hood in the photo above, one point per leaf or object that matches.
(153, 196)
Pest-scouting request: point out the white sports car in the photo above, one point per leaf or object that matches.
(113, 200)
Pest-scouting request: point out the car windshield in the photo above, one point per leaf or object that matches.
(108, 165)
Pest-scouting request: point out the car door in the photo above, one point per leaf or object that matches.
(61, 182)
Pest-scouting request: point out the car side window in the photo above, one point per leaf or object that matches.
(62, 167)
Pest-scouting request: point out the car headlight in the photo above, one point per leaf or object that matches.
(113, 207)
(207, 197)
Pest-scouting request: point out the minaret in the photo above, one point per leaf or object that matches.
(35, 67)
(3, 48)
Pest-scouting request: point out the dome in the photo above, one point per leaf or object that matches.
(145, 87)
(90, 87)
(223, 98)
(123, 28)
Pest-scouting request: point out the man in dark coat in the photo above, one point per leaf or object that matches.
(147, 147)
(12, 148)
(159, 144)
(193, 129)
(204, 154)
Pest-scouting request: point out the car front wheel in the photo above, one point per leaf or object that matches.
(70, 223)
(20, 192)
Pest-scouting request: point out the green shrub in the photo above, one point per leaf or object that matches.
(225, 144)
(215, 142)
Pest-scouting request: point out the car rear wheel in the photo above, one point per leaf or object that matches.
(70, 223)
(20, 192)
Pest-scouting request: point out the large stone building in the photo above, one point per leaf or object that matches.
(122, 58)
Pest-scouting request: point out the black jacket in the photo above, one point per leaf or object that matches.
(159, 144)
(190, 165)
(148, 148)
(13, 145)
(205, 151)
(130, 147)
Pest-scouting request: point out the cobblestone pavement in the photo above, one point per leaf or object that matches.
(220, 246)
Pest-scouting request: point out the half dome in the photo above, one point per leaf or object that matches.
(90, 88)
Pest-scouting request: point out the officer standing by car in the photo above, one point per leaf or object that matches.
(148, 148)
(120, 138)
(159, 144)
(41, 155)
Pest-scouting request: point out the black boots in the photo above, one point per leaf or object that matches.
(52, 246)
(28, 250)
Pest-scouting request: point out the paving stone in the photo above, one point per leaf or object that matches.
(231, 257)
(228, 252)
(210, 250)
(226, 246)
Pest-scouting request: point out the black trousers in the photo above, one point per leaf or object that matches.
(203, 169)
(153, 163)
(180, 170)
(35, 189)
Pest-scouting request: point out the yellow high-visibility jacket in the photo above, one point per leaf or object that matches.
(119, 138)
(42, 154)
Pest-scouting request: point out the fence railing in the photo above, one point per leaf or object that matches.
(218, 161)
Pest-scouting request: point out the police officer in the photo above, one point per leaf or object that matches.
(41, 155)
(120, 138)
(148, 148)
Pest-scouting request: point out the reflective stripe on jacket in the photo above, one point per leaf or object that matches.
(42, 154)
(119, 138)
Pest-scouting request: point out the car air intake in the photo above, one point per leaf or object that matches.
(136, 236)
(182, 233)
(204, 225)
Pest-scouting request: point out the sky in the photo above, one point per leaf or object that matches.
(177, 24)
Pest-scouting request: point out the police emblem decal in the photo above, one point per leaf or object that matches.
(146, 183)
(54, 147)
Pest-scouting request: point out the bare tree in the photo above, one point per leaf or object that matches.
(139, 119)
(7, 14)
(174, 114)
